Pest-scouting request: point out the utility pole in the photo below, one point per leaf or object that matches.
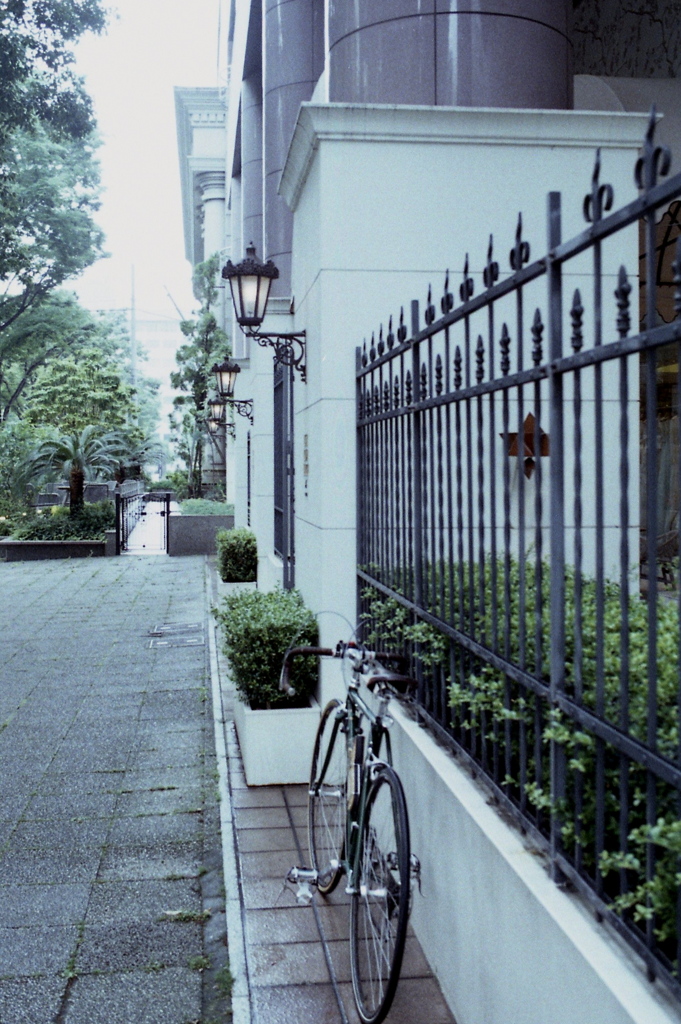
(133, 335)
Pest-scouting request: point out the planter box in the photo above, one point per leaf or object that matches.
(33, 550)
(195, 535)
(276, 746)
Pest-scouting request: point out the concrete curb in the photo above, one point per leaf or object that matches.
(236, 940)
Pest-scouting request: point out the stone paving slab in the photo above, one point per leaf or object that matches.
(109, 838)
(289, 976)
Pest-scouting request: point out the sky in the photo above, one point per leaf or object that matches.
(150, 47)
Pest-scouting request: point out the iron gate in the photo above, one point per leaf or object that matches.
(131, 509)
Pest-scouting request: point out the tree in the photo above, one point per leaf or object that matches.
(88, 452)
(206, 344)
(48, 192)
(53, 329)
(82, 390)
(17, 441)
(37, 80)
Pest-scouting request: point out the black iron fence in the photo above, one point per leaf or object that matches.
(518, 469)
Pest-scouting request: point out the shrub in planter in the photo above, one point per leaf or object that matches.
(237, 555)
(12, 514)
(257, 630)
(56, 523)
(205, 507)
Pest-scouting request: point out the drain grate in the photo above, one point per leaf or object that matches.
(177, 634)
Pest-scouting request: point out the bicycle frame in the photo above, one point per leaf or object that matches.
(355, 710)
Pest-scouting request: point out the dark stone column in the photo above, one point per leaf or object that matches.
(486, 53)
(251, 161)
(294, 45)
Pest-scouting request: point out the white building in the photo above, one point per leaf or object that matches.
(365, 148)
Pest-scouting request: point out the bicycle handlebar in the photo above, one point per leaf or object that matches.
(284, 684)
(401, 683)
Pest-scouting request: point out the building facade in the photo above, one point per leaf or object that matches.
(365, 148)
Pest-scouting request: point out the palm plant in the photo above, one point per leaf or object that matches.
(140, 450)
(86, 453)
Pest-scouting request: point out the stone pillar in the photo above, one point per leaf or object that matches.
(494, 54)
(294, 44)
(251, 162)
(212, 185)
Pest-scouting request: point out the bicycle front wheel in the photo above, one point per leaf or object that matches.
(380, 903)
(326, 799)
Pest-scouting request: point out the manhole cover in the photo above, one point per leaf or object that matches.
(177, 634)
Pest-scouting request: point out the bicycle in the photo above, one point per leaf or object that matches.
(358, 824)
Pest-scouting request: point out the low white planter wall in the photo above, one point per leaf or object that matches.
(276, 746)
(508, 946)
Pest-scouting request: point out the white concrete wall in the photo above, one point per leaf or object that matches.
(508, 946)
(385, 199)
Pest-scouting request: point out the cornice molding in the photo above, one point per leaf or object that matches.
(449, 126)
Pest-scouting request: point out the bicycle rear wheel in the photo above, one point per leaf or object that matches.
(380, 904)
(326, 799)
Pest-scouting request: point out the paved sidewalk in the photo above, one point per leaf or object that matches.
(110, 857)
(297, 958)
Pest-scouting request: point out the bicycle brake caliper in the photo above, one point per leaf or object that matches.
(415, 871)
(304, 879)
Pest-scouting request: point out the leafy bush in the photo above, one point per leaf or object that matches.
(237, 555)
(497, 711)
(56, 523)
(12, 513)
(176, 481)
(257, 630)
(205, 507)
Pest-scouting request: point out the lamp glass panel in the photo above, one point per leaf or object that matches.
(250, 308)
(236, 301)
(227, 382)
(264, 291)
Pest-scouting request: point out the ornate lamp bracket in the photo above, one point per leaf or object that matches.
(243, 406)
(289, 349)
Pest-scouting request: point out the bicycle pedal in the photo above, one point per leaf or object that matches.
(305, 879)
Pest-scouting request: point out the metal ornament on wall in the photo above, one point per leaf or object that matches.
(529, 444)
(250, 282)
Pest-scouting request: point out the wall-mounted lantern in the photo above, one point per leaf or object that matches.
(217, 409)
(225, 375)
(250, 282)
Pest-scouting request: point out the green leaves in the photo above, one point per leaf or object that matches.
(37, 81)
(498, 710)
(258, 628)
(237, 553)
(56, 524)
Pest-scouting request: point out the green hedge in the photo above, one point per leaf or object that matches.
(206, 507)
(237, 552)
(56, 523)
(498, 709)
(12, 514)
(257, 630)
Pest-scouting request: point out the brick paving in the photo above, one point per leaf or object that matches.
(111, 890)
(289, 979)
(110, 854)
